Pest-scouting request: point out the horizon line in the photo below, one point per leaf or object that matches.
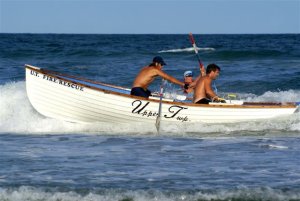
(150, 33)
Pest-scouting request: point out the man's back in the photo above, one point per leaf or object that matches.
(145, 77)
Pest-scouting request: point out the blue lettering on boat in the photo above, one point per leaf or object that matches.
(58, 81)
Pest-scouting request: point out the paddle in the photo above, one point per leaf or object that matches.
(202, 68)
(157, 123)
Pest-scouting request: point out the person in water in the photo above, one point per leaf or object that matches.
(146, 76)
(203, 92)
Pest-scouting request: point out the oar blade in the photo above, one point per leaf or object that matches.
(202, 68)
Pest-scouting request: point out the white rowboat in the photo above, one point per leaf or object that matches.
(74, 99)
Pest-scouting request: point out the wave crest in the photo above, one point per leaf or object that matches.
(189, 49)
(240, 193)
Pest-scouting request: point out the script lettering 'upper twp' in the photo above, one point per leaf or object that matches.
(141, 109)
(174, 110)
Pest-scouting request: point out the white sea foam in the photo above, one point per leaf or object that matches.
(241, 193)
(280, 96)
(18, 116)
(273, 146)
(189, 49)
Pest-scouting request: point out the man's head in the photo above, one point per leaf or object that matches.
(213, 70)
(188, 73)
(159, 60)
(188, 76)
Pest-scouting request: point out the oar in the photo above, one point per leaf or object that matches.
(157, 123)
(202, 68)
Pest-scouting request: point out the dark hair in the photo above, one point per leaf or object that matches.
(212, 67)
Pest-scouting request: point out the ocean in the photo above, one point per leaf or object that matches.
(44, 159)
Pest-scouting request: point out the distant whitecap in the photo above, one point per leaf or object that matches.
(189, 49)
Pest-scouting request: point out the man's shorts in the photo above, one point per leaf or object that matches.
(139, 91)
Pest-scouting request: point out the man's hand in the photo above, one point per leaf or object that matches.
(218, 99)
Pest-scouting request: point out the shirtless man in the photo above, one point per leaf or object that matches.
(148, 74)
(203, 92)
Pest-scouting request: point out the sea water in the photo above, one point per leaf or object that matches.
(47, 159)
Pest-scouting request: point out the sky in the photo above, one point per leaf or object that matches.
(150, 16)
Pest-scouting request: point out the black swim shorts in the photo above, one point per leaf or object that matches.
(203, 101)
(139, 91)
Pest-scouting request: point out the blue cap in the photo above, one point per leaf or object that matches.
(160, 60)
(188, 73)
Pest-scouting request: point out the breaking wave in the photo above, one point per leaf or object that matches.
(189, 49)
(241, 194)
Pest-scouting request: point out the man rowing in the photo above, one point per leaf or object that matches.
(203, 92)
(148, 74)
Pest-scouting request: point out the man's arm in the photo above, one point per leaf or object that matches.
(193, 84)
(211, 94)
(169, 78)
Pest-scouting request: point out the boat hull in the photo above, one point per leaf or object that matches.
(67, 98)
